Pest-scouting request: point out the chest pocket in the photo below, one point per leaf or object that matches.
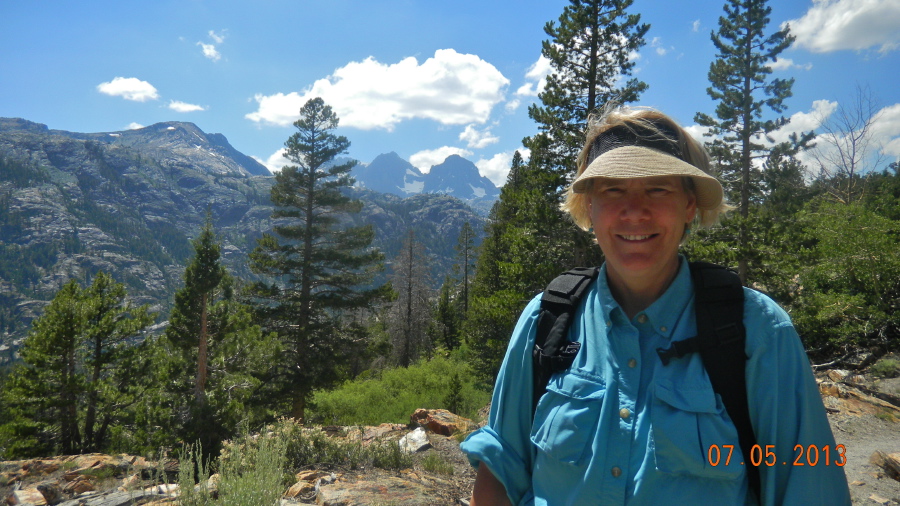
(567, 417)
(686, 421)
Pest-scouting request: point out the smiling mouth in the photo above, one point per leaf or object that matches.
(637, 238)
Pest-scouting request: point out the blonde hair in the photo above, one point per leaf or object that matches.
(576, 204)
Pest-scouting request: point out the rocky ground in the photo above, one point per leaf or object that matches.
(863, 423)
(866, 425)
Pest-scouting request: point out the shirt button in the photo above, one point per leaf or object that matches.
(616, 472)
(663, 330)
(642, 318)
(624, 413)
(632, 363)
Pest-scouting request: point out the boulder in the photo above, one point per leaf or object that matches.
(441, 421)
(27, 496)
(415, 441)
(390, 490)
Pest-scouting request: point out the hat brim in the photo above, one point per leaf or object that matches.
(628, 162)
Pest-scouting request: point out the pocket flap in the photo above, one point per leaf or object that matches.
(694, 398)
(577, 387)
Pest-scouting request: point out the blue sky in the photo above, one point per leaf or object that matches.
(424, 79)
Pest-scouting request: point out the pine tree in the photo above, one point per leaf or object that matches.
(465, 255)
(447, 318)
(71, 379)
(743, 89)
(213, 355)
(316, 267)
(109, 324)
(589, 50)
(188, 324)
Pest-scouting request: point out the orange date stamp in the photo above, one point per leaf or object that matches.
(809, 455)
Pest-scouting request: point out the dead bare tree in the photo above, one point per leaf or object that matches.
(410, 315)
(847, 148)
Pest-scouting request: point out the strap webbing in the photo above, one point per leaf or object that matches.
(720, 340)
(552, 350)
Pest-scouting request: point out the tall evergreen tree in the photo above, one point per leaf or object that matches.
(741, 84)
(465, 257)
(109, 325)
(317, 267)
(188, 324)
(590, 53)
(212, 357)
(447, 318)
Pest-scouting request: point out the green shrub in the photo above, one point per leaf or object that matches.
(849, 292)
(311, 448)
(434, 463)
(397, 393)
(193, 478)
(388, 455)
(886, 368)
(252, 471)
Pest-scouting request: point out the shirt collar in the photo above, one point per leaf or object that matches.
(664, 313)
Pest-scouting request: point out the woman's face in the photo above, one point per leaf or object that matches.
(639, 224)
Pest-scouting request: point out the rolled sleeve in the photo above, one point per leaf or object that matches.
(788, 414)
(504, 444)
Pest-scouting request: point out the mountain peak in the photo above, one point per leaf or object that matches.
(456, 176)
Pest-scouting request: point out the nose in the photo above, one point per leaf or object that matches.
(634, 206)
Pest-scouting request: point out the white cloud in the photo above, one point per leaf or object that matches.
(657, 44)
(134, 126)
(218, 38)
(880, 146)
(802, 122)
(512, 105)
(210, 51)
(886, 130)
(695, 26)
(179, 106)
(787, 63)
(129, 88)
(698, 132)
(477, 139)
(275, 162)
(424, 160)
(450, 88)
(495, 168)
(834, 25)
(535, 78)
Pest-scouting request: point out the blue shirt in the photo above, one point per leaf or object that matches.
(618, 427)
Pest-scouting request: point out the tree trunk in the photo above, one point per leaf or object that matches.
(298, 410)
(202, 355)
(90, 416)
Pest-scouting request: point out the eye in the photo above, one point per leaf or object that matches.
(657, 191)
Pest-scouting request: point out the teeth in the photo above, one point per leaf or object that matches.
(635, 237)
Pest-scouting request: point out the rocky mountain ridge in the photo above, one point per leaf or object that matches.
(455, 176)
(128, 203)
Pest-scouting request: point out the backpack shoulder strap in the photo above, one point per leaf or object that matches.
(552, 351)
(719, 305)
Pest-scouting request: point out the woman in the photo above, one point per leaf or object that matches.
(618, 426)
